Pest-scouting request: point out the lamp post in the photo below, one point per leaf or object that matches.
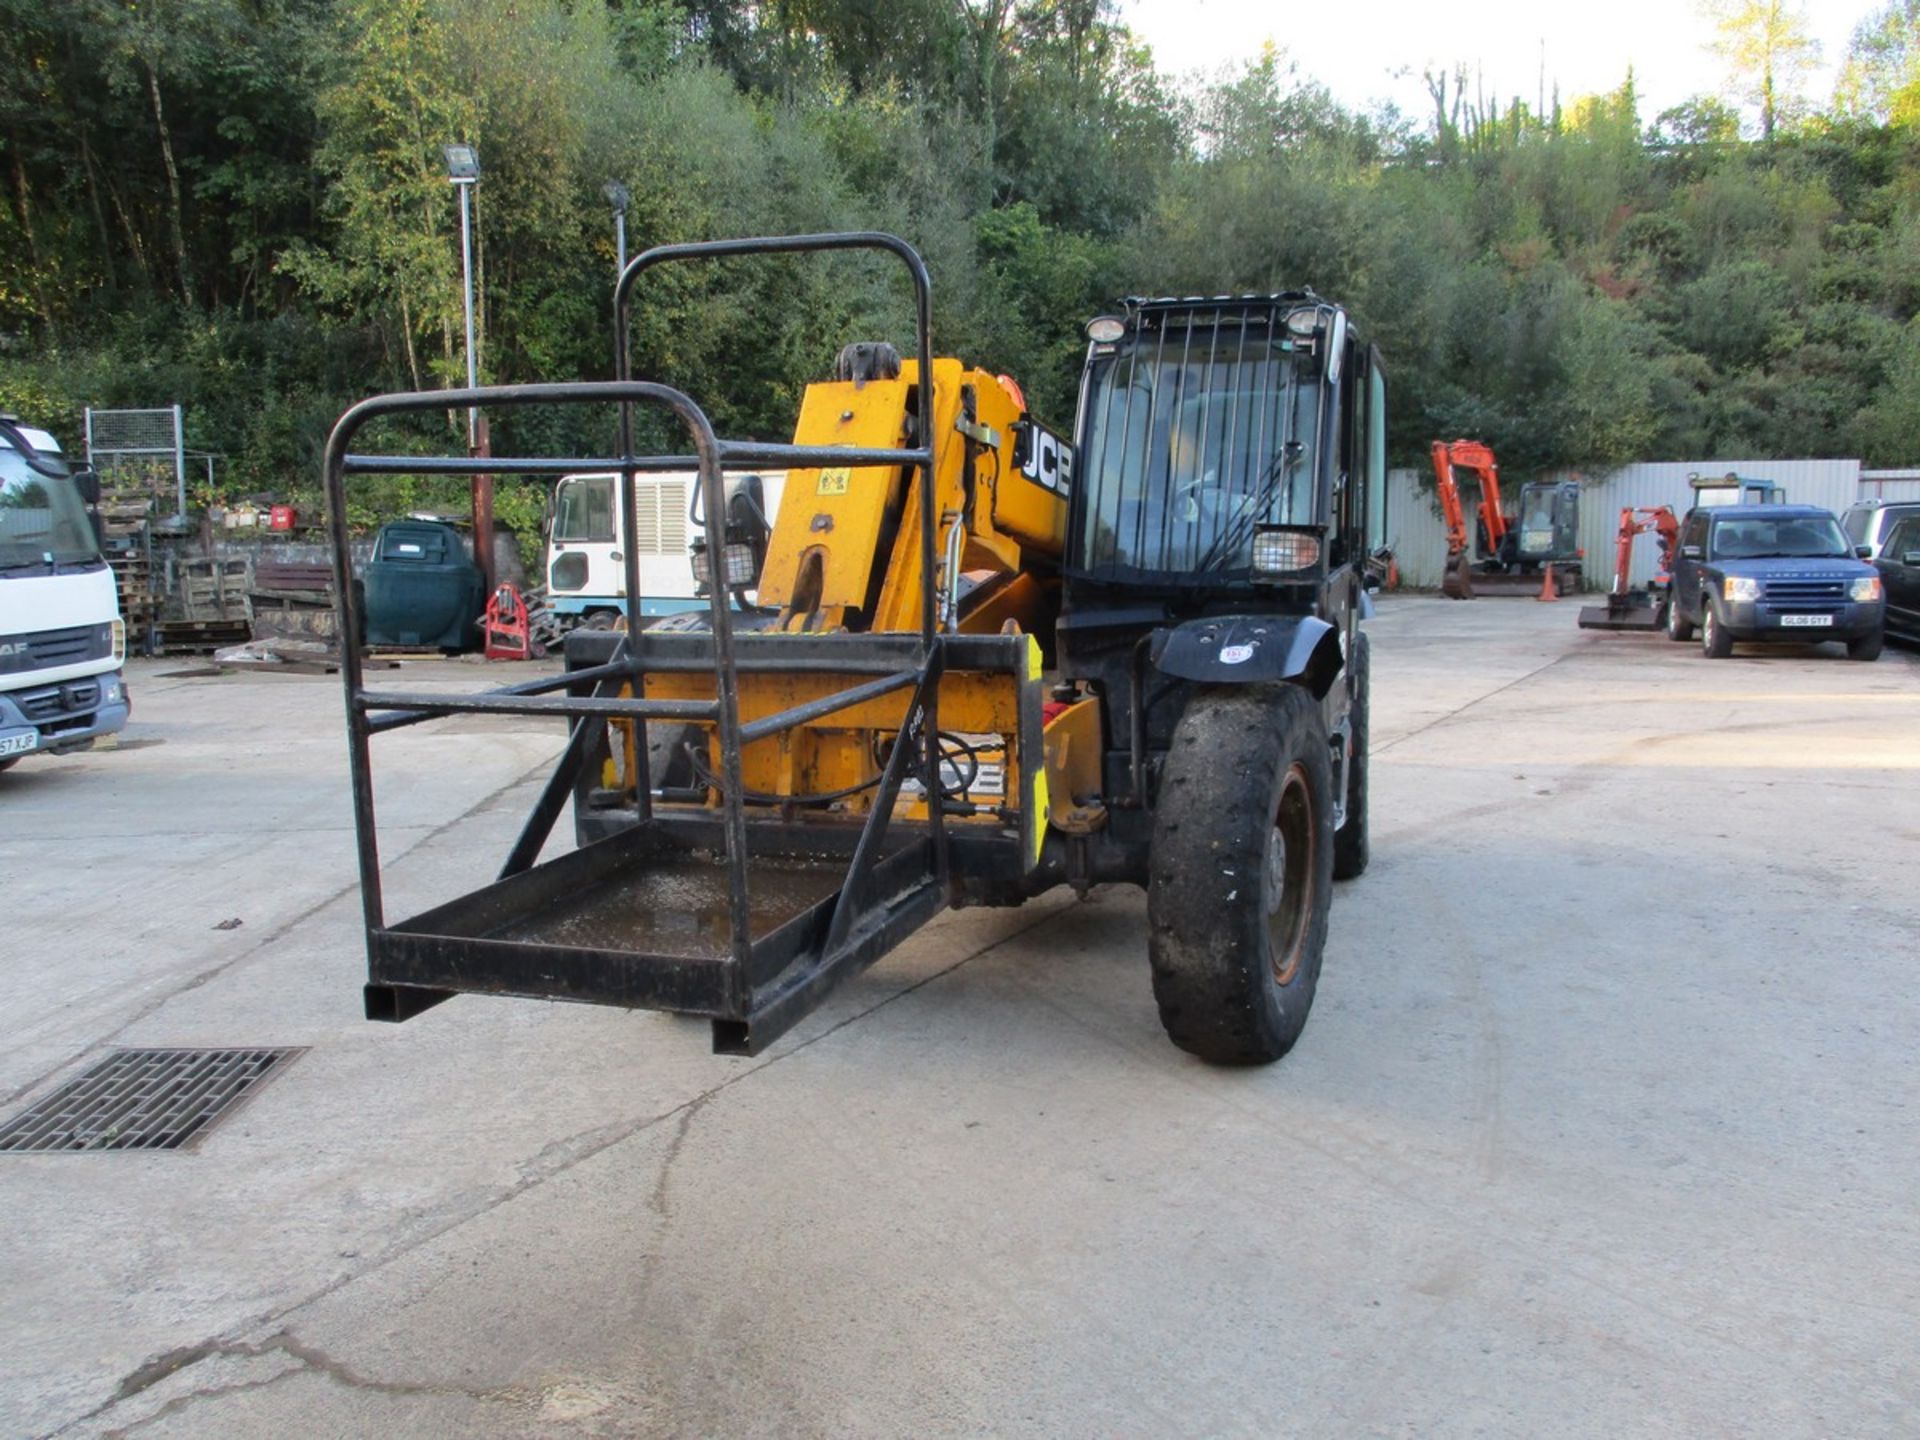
(618, 197)
(463, 170)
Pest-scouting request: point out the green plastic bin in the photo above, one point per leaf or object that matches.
(422, 588)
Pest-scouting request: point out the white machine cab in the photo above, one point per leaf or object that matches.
(62, 642)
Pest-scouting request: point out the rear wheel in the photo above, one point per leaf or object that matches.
(1679, 628)
(9, 762)
(1715, 642)
(1240, 875)
(1350, 840)
(1867, 647)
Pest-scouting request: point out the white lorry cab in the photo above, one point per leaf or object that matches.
(62, 641)
(586, 543)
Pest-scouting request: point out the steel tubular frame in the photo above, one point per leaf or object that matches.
(592, 692)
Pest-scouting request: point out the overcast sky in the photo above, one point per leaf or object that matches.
(1354, 48)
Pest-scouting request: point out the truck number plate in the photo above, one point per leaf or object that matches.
(18, 744)
(1806, 619)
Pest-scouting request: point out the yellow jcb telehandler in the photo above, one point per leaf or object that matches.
(979, 662)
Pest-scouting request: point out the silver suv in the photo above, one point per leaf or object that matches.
(1869, 522)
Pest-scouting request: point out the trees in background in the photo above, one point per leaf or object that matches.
(241, 205)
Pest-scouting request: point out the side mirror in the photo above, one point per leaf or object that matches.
(1911, 559)
(1691, 552)
(1864, 552)
(87, 481)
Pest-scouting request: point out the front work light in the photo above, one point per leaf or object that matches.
(1284, 552)
(737, 562)
(1105, 329)
(1741, 587)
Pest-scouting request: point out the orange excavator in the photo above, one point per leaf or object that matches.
(1515, 550)
(1636, 608)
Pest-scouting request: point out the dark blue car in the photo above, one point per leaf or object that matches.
(1773, 572)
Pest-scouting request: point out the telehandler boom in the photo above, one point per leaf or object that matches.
(983, 662)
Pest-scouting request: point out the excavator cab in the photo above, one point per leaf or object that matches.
(1548, 528)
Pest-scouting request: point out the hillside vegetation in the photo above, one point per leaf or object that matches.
(240, 205)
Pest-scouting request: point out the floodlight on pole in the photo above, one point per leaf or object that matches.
(619, 198)
(463, 170)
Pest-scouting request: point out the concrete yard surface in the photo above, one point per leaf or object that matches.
(1606, 1123)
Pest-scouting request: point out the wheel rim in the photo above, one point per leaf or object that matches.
(1289, 874)
(1707, 628)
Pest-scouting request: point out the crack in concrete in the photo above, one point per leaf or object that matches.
(657, 1201)
(1462, 709)
(278, 933)
(308, 1360)
(559, 1157)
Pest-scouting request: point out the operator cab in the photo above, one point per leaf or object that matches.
(1228, 446)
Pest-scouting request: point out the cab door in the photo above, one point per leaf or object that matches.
(1899, 567)
(1688, 556)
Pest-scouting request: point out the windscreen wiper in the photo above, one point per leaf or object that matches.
(1253, 507)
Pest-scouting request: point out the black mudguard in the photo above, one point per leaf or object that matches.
(1248, 649)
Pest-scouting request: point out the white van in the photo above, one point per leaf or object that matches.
(586, 572)
(62, 641)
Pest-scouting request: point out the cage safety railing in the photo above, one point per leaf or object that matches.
(402, 962)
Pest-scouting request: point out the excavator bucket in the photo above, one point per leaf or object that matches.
(1623, 610)
(1456, 581)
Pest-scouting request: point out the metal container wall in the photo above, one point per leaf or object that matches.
(1420, 542)
(1890, 484)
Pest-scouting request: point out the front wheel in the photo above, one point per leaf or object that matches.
(1867, 647)
(1715, 642)
(1679, 628)
(1241, 872)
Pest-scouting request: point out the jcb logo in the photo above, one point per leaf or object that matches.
(1048, 461)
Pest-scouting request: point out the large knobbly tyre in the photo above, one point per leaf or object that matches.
(669, 757)
(1241, 873)
(1350, 840)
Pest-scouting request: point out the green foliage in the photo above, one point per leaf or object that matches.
(1880, 80)
(240, 205)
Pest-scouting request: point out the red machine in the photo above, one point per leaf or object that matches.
(1629, 608)
(509, 635)
(1457, 579)
(1536, 550)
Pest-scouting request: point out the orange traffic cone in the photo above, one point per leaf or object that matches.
(1547, 590)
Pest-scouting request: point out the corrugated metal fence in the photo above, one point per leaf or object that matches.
(1420, 541)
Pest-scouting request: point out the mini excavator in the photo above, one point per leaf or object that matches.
(1514, 550)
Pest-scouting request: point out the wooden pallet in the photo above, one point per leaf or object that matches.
(196, 637)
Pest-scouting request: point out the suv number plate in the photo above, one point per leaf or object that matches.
(18, 744)
(1806, 619)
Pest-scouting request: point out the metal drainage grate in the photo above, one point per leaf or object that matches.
(143, 1100)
